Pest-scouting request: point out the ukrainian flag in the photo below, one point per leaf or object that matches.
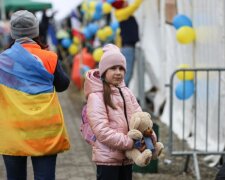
(31, 119)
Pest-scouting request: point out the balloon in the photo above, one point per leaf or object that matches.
(114, 25)
(98, 7)
(185, 75)
(118, 39)
(108, 31)
(62, 34)
(185, 35)
(83, 70)
(92, 5)
(66, 42)
(93, 28)
(83, 58)
(110, 1)
(84, 7)
(181, 20)
(184, 90)
(78, 34)
(76, 40)
(97, 54)
(97, 15)
(101, 35)
(89, 14)
(118, 4)
(87, 33)
(73, 49)
(118, 31)
(106, 8)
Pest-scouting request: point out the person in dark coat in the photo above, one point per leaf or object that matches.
(129, 32)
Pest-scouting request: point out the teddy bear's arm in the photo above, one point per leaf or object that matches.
(135, 134)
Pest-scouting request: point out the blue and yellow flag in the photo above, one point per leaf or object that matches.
(31, 119)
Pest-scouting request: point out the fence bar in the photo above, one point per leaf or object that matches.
(182, 150)
(139, 55)
(178, 153)
(207, 107)
(197, 172)
(184, 87)
(218, 135)
(195, 108)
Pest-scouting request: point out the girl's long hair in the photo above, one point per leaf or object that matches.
(107, 91)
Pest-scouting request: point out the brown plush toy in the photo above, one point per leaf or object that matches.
(148, 148)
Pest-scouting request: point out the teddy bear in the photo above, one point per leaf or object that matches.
(146, 146)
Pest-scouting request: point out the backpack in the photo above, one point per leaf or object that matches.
(85, 128)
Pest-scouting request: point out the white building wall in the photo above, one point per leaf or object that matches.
(164, 54)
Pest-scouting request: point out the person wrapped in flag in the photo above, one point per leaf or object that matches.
(31, 119)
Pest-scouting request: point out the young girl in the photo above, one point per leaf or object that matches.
(109, 108)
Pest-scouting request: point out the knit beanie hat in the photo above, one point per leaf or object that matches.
(111, 57)
(24, 24)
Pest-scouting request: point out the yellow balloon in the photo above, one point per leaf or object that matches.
(62, 34)
(73, 49)
(118, 39)
(108, 31)
(84, 6)
(97, 54)
(106, 8)
(118, 31)
(185, 75)
(185, 35)
(101, 35)
(92, 5)
(76, 40)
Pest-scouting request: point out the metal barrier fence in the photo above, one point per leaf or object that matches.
(140, 59)
(208, 86)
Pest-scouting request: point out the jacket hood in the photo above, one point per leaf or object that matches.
(93, 82)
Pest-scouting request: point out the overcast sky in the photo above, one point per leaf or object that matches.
(63, 7)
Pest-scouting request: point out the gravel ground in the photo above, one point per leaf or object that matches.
(169, 167)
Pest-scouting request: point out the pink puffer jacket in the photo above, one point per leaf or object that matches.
(109, 128)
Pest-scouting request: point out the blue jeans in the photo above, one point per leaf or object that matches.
(43, 167)
(129, 53)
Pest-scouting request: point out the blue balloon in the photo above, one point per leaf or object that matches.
(110, 1)
(84, 69)
(66, 42)
(98, 7)
(97, 16)
(184, 90)
(93, 28)
(87, 33)
(114, 25)
(181, 20)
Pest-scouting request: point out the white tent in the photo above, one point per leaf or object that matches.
(164, 54)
